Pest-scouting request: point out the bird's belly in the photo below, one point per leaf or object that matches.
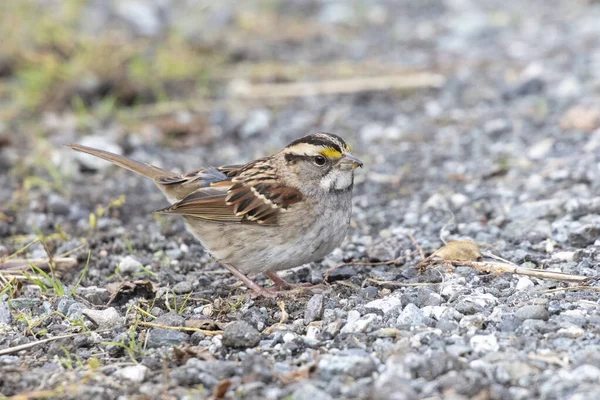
(254, 249)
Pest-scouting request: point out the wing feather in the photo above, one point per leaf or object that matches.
(250, 193)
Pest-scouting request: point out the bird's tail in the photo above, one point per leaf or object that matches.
(147, 170)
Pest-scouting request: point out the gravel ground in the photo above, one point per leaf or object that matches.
(510, 145)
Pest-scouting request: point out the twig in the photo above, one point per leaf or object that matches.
(419, 249)
(571, 289)
(26, 346)
(340, 86)
(178, 328)
(61, 263)
(282, 320)
(366, 264)
(22, 249)
(399, 284)
(500, 268)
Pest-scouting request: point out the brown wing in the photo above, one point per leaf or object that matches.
(251, 194)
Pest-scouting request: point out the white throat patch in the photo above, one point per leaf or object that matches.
(337, 180)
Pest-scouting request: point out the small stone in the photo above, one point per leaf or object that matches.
(308, 391)
(133, 373)
(5, 316)
(342, 273)
(532, 312)
(289, 337)
(509, 323)
(130, 266)
(312, 333)
(524, 283)
(105, 319)
(581, 118)
(159, 337)
(170, 319)
(314, 309)
(584, 236)
(484, 343)
(411, 316)
(240, 335)
(356, 366)
(182, 287)
(386, 304)
(22, 303)
(360, 325)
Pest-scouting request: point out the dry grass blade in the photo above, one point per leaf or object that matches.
(501, 268)
(340, 86)
(399, 284)
(178, 328)
(26, 346)
(20, 264)
(571, 289)
(366, 264)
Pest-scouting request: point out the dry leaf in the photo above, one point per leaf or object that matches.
(459, 250)
(127, 289)
(221, 389)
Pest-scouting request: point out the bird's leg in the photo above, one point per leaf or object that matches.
(282, 284)
(255, 287)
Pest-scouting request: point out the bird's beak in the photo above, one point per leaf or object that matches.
(349, 161)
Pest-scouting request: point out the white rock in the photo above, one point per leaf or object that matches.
(312, 332)
(134, 373)
(540, 149)
(572, 332)
(289, 337)
(458, 200)
(130, 265)
(524, 283)
(484, 343)
(105, 319)
(359, 325)
(563, 256)
(386, 304)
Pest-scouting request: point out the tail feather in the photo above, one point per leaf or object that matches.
(147, 170)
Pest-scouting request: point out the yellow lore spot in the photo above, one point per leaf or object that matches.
(330, 152)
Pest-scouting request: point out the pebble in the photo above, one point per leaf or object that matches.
(133, 373)
(411, 316)
(356, 366)
(5, 316)
(130, 266)
(240, 335)
(105, 319)
(386, 304)
(159, 337)
(584, 236)
(532, 312)
(182, 287)
(307, 391)
(361, 324)
(484, 343)
(314, 309)
(524, 283)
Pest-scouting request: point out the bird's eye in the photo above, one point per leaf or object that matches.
(320, 160)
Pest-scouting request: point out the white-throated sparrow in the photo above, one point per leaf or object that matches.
(268, 215)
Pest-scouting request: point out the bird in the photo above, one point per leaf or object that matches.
(271, 214)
